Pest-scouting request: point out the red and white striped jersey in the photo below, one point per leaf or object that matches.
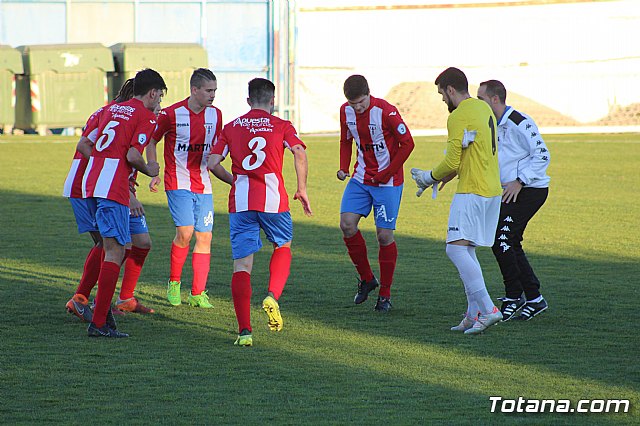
(256, 143)
(73, 183)
(121, 127)
(383, 143)
(188, 138)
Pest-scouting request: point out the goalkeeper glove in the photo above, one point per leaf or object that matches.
(424, 179)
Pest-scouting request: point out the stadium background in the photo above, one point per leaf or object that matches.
(571, 64)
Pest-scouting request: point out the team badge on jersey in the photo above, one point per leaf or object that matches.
(402, 129)
(142, 138)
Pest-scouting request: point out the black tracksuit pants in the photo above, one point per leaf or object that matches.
(517, 274)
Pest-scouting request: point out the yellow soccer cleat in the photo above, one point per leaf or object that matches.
(271, 307)
(244, 338)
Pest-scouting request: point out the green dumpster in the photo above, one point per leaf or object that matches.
(63, 84)
(174, 61)
(10, 65)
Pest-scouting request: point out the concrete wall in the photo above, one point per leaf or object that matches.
(578, 58)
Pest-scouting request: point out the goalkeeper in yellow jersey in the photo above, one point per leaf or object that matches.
(472, 155)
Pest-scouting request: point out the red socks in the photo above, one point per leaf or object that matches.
(387, 257)
(178, 257)
(241, 292)
(132, 269)
(357, 248)
(106, 287)
(279, 270)
(201, 263)
(91, 271)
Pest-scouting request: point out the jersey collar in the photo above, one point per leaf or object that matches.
(505, 115)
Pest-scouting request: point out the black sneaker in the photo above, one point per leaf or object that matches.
(111, 320)
(510, 307)
(383, 304)
(531, 309)
(364, 288)
(104, 331)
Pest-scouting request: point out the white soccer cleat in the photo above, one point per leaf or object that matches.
(465, 324)
(485, 321)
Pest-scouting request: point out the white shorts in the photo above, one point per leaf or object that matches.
(474, 218)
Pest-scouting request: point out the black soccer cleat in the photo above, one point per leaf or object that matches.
(364, 288)
(104, 331)
(532, 309)
(383, 304)
(111, 320)
(510, 307)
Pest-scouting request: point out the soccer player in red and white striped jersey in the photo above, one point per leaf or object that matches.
(123, 131)
(84, 213)
(189, 128)
(383, 143)
(258, 200)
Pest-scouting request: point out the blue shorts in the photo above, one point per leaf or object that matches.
(244, 229)
(190, 209)
(358, 198)
(138, 225)
(84, 209)
(113, 220)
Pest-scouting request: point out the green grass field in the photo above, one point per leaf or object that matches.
(334, 363)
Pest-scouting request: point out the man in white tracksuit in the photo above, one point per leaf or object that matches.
(523, 158)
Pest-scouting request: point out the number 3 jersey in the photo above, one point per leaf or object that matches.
(121, 127)
(188, 138)
(256, 143)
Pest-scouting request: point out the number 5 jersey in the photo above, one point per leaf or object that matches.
(121, 127)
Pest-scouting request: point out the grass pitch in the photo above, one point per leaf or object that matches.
(334, 363)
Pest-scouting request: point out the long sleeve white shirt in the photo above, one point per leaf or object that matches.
(522, 152)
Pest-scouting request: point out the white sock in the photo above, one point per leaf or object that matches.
(536, 300)
(463, 257)
(472, 309)
(482, 299)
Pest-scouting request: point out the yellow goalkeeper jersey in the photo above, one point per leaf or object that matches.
(472, 149)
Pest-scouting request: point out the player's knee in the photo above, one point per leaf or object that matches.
(183, 237)
(348, 229)
(145, 245)
(385, 236)
(203, 237)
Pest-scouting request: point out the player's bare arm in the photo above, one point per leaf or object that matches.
(152, 156)
(447, 179)
(213, 161)
(302, 168)
(135, 206)
(135, 159)
(221, 173)
(84, 147)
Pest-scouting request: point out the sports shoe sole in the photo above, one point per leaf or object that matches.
(271, 307)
